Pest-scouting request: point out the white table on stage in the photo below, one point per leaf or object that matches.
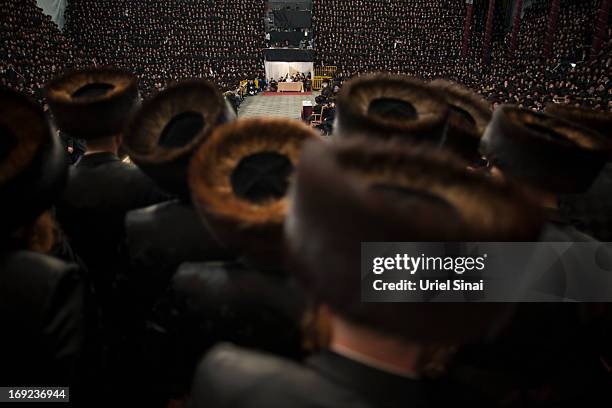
(290, 87)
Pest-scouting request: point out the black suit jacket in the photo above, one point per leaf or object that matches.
(232, 377)
(42, 315)
(159, 238)
(547, 354)
(591, 212)
(101, 190)
(221, 301)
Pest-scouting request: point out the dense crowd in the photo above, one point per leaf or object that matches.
(178, 228)
(164, 42)
(568, 76)
(172, 40)
(33, 49)
(423, 38)
(412, 37)
(220, 266)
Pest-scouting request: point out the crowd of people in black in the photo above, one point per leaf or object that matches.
(304, 42)
(220, 265)
(192, 259)
(172, 40)
(303, 77)
(33, 49)
(324, 110)
(423, 38)
(164, 42)
(568, 76)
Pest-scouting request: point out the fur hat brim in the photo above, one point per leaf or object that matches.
(168, 165)
(468, 119)
(249, 228)
(591, 119)
(545, 152)
(33, 167)
(334, 208)
(357, 95)
(95, 116)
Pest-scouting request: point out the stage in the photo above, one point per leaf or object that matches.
(281, 69)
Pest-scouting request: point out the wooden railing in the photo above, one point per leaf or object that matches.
(322, 74)
(243, 85)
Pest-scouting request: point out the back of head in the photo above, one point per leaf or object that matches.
(468, 118)
(239, 180)
(93, 103)
(33, 165)
(357, 191)
(387, 106)
(168, 128)
(544, 152)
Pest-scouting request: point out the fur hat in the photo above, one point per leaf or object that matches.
(239, 179)
(168, 128)
(544, 152)
(92, 103)
(387, 106)
(469, 117)
(33, 164)
(595, 120)
(358, 191)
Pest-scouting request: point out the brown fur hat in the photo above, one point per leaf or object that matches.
(387, 106)
(33, 164)
(168, 128)
(357, 191)
(239, 179)
(545, 152)
(595, 120)
(93, 103)
(469, 116)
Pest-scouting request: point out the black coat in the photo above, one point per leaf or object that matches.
(232, 377)
(212, 302)
(158, 239)
(547, 353)
(42, 315)
(326, 92)
(591, 212)
(101, 190)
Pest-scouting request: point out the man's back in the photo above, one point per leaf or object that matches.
(158, 239)
(229, 376)
(100, 190)
(42, 310)
(591, 212)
